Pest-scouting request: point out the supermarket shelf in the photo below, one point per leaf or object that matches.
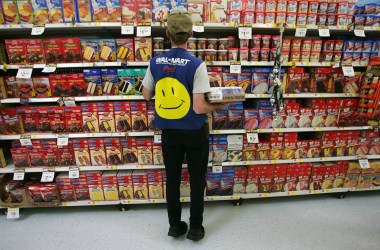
(279, 130)
(293, 193)
(364, 189)
(227, 131)
(88, 203)
(321, 159)
(321, 95)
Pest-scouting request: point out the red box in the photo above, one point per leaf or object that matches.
(279, 177)
(53, 50)
(291, 177)
(41, 85)
(34, 51)
(327, 148)
(57, 120)
(314, 149)
(71, 50)
(304, 176)
(302, 148)
(59, 85)
(321, 80)
(12, 122)
(266, 179)
(106, 117)
(73, 119)
(125, 49)
(317, 176)
(20, 157)
(16, 51)
(76, 84)
(51, 156)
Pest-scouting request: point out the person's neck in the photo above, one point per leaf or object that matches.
(179, 46)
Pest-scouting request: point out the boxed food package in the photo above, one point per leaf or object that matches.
(93, 81)
(10, 12)
(341, 169)
(158, 158)
(352, 176)
(71, 50)
(77, 84)
(122, 116)
(143, 49)
(25, 11)
(144, 13)
(73, 119)
(126, 81)
(124, 50)
(83, 11)
(110, 81)
(57, 119)
(97, 152)
(253, 179)
(215, 79)
(317, 176)
(53, 50)
(99, 10)
(113, 10)
(106, 117)
(144, 151)
(321, 81)
(90, 51)
(304, 176)
(128, 11)
(218, 11)
(139, 117)
(329, 175)
(107, 50)
(113, 151)
(68, 11)
(140, 184)
(90, 117)
(11, 87)
(41, 85)
(3, 91)
(160, 11)
(1, 14)
(2, 159)
(43, 195)
(81, 152)
(20, 157)
(40, 12)
(225, 94)
(124, 181)
(109, 183)
(129, 147)
(155, 184)
(25, 88)
(59, 85)
(279, 177)
(366, 177)
(55, 11)
(197, 9)
(12, 122)
(16, 51)
(95, 189)
(139, 74)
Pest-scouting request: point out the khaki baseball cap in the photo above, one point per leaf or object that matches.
(179, 22)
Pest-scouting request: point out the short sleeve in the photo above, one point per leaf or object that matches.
(201, 82)
(148, 81)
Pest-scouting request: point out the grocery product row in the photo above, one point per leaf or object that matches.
(109, 117)
(223, 148)
(260, 48)
(151, 184)
(246, 11)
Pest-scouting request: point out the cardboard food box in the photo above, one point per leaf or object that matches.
(68, 11)
(53, 50)
(3, 92)
(317, 176)
(124, 49)
(16, 51)
(107, 50)
(352, 176)
(128, 11)
(155, 184)
(2, 159)
(109, 81)
(59, 85)
(25, 11)
(97, 152)
(83, 11)
(139, 74)
(89, 49)
(139, 117)
(304, 176)
(40, 12)
(57, 119)
(329, 175)
(20, 157)
(93, 81)
(82, 153)
(95, 189)
(76, 84)
(144, 13)
(113, 10)
(25, 88)
(55, 11)
(11, 86)
(158, 158)
(106, 117)
(71, 50)
(124, 181)
(198, 10)
(140, 185)
(90, 117)
(41, 86)
(12, 122)
(129, 147)
(10, 12)
(366, 177)
(225, 94)
(143, 49)
(144, 151)
(12, 193)
(113, 151)
(122, 113)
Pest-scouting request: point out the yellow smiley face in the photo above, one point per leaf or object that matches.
(172, 99)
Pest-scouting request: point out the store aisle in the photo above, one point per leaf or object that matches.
(310, 222)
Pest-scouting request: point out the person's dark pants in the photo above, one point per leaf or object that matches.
(175, 144)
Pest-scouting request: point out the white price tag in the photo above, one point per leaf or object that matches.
(348, 71)
(62, 140)
(47, 176)
(198, 28)
(74, 173)
(19, 176)
(127, 30)
(49, 68)
(69, 101)
(217, 169)
(364, 163)
(26, 140)
(157, 138)
(359, 33)
(36, 31)
(13, 213)
(324, 32)
(235, 142)
(24, 73)
(253, 137)
(245, 32)
(235, 68)
(301, 32)
(143, 31)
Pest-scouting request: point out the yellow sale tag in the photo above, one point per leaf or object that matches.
(129, 202)
(65, 204)
(265, 195)
(154, 201)
(327, 190)
(183, 199)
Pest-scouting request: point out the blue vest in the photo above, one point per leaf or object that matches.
(173, 73)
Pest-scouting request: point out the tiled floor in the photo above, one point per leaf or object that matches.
(309, 222)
